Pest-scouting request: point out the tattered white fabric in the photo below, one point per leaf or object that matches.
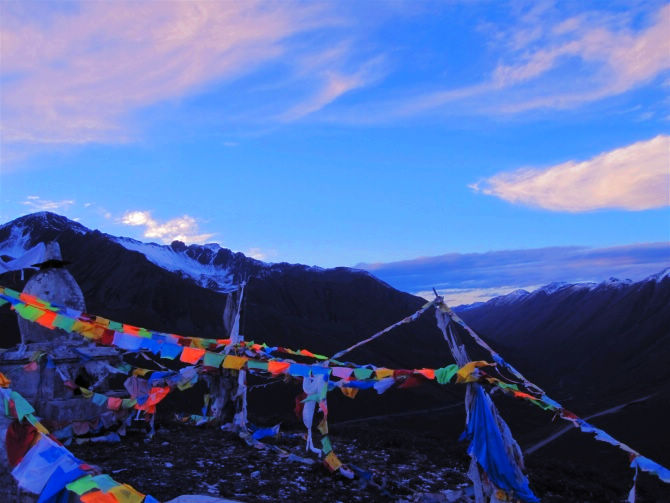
(240, 418)
(235, 337)
(311, 386)
(35, 255)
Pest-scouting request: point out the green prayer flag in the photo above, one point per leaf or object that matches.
(116, 326)
(105, 482)
(445, 374)
(30, 313)
(213, 359)
(253, 364)
(23, 408)
(362, 373)
(508, 386)
(542, 405)
(12, 293)
(82, 485)
(143, 332)
(124, 367)
(326, 447)
(64, 322)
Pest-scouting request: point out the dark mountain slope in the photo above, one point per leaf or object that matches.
(607, 339)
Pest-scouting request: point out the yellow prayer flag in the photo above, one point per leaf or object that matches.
(234, 362)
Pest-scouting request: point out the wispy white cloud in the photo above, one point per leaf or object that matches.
(474, 277)
(463, 296)
(621, 60)
(256, 253)
(597, 54)
(75, 75)
(36, 203)
(332, 79)
(635, 177)
(184, 228)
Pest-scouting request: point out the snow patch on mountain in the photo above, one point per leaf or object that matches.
(205, 275)
(659, 276)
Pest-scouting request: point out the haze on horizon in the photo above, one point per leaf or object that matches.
(479, 142)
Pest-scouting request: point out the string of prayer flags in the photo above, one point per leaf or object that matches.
(316, 383)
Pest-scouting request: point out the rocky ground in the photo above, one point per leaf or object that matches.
(192, 460)
(422, 466)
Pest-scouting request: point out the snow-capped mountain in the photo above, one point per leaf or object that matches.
(182, 289)
(555, 287)
(209, 265)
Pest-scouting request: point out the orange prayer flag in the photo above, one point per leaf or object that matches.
(191, 355)
(234, 362)
(98, 497)
(155, 396)
(47, 319)
(428, 373)
(30, 299)
(276, 367)
(130, 329)
(349, 392)
(4, 381)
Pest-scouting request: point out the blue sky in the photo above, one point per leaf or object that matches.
(339, 133)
